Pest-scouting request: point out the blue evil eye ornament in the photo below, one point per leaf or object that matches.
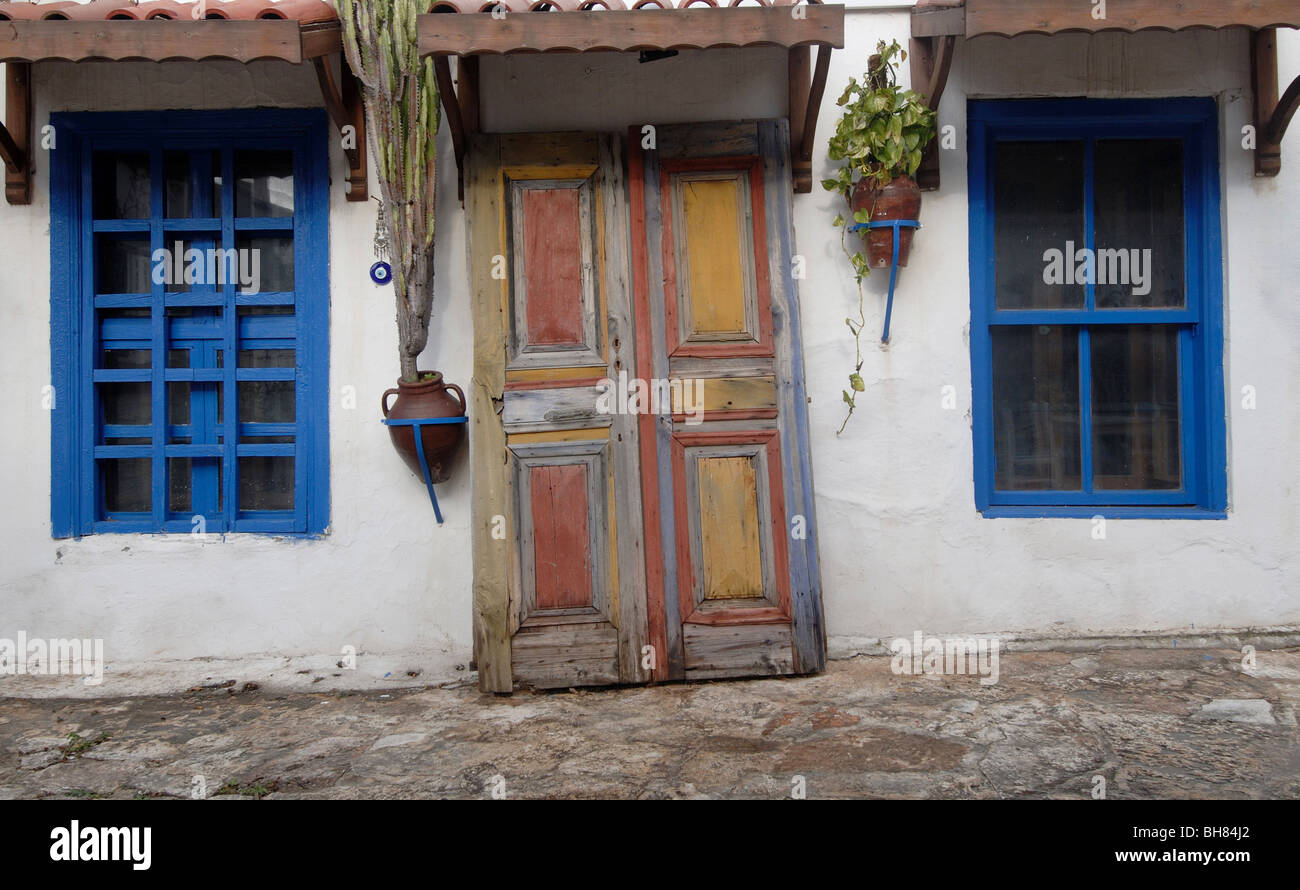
(381, 273)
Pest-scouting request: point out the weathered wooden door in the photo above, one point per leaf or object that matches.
(667, 538)
(728, 489)
(560, 571)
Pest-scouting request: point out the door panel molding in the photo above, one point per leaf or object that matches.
(546, 329)
(529, 464)
(773, 600)
(750, 246)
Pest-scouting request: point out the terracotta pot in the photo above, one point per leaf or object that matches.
(899, 199)
(430, 397)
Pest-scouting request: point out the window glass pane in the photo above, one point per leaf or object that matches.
(125, 323)
(126, 403)
(266, 401)
(266, 358)
(1038, 207)
(125, 359)
(177, 185)
(265, 263)
(121, 185)
(178, 357)
(1138, 194)
(179, 495)
(1036, 408)
(123, 265)
(178, 402)
(127, 485)
(263, 183)
(1136, 441)
(266, 483)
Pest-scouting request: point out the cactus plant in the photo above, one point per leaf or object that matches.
(400, 93)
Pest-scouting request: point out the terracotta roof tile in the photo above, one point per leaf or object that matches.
(313, 11)
(302, 11)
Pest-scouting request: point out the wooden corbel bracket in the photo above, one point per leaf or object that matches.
(931, 60)
(16, 133)
(1272, 115)
(807, 86)
(346, 110)
(460, 107)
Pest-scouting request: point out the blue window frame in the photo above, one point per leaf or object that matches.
(190, 322)
(1096, 308)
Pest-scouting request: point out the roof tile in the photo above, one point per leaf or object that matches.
(313, 11)
(302, 11)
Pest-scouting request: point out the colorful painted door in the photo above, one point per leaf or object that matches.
(726, 477)
(663, 530)
(559, 567)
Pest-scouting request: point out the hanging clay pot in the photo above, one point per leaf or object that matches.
(430, 397)
(899, 199)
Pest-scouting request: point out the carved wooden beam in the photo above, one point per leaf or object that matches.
(931, 60)
(346, 110)
(16, 133)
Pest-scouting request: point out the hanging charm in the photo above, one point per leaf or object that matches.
(381, 272)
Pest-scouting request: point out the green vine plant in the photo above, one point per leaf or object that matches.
(402, 116)
(880, 135)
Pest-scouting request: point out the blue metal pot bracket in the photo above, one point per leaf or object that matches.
(381, 273)
(896, 225)
(419, 448)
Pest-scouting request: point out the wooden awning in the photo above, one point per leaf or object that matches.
(485, 27)
(292, 31)
(937, 23)
(501, 27)
(1009, 18)
(159, 30)
(652, 25)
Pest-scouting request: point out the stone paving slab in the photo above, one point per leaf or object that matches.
(1171, 723)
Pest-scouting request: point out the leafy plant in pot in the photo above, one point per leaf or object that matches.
(400, 93)
(878, 141)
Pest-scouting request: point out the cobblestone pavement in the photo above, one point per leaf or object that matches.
(1155, 723)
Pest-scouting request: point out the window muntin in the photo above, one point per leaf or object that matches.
(1101, 384)
(160, 309)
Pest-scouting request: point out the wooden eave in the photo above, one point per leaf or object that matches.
(628, 30)
(794, 28)
(161, 40)
(937, 23)
(1010, 18)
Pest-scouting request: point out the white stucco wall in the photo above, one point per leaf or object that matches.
(902, 546)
